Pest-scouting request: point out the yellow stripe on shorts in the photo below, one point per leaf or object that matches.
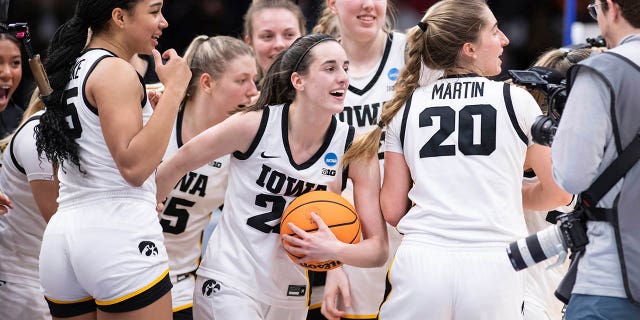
(89, 298)
(186, 306)
(135, 293)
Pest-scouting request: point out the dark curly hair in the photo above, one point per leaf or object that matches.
(54, 137)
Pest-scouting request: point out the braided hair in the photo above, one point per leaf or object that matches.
(54, 137)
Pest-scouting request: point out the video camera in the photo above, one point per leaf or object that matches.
(551, 83)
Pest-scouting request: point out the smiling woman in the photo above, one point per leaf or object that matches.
(270, 26)
(10, 76)
(222, 81)
(284, 137)
(455, 149)
(99, 129)
(376, 54)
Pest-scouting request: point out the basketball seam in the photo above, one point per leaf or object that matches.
(327, 201)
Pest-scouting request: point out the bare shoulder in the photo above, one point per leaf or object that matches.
(111, 75)
(246, 123)
(114, 69)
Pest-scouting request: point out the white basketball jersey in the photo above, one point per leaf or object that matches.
(465, 140)
(189, 206)
(245, 251)
(22, 227)
(366, 95)
(363, 106)
(100, 177)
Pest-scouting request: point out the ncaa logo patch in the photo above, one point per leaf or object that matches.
(210, 287)
(148, 248)
(393, 74)
(331, 159)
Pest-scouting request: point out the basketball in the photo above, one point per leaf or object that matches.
(335, 211)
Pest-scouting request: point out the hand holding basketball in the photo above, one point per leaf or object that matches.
(319, 245)
(316, 226)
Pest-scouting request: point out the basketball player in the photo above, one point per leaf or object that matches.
(223, 73)
(270, 26)
(287, 144)
(455, 148)
(33, 190)
(102, 252)
(376, 55)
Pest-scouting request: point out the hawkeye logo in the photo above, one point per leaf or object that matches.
(148, 248)
(210, 287)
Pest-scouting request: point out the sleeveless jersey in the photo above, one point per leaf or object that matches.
(464, 142)
(245, 250)
(100, 177)
(365, 97)
(362, 108)
(22, 227)
(367, 94)
(189, 206)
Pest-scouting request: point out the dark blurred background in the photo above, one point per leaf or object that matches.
(532, 26)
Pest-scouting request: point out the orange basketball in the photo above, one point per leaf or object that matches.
(336, 211)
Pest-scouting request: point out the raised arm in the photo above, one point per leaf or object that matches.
(115, 90)
(234, 134)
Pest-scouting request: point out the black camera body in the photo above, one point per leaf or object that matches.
(551, 83)
(573, 231)
(569, 234)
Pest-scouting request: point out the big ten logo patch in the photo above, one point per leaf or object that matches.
(148, 248)
(210, 287)
(215, 164)
(328, 172)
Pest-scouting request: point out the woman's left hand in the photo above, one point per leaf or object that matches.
(318, 245)
(154, 97)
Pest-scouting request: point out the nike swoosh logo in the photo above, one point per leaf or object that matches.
(263, 155)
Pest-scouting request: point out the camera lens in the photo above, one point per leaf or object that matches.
(543, 130)
(537, 247)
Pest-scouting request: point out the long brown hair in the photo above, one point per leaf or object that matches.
(449, 25)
